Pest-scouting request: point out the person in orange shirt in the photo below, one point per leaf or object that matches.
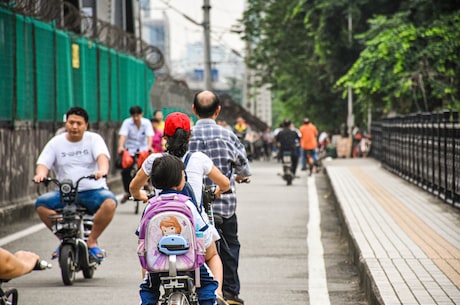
(309, 144)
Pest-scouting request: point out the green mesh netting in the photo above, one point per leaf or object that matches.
(45, 71)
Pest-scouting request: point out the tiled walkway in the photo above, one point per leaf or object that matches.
(405, 241)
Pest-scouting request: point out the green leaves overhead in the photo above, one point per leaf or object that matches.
(403, 56)
(404, 62)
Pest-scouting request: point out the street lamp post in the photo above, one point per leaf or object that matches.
(207, 46)
(350, 118)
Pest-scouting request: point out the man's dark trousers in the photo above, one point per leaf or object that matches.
(230, 254)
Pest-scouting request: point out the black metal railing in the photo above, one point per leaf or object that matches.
(423, 148)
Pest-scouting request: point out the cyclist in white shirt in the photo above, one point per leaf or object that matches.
(136, 134)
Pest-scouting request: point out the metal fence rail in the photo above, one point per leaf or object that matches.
(423, 148)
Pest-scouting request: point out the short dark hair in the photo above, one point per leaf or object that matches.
(166, 172)
(77, 111)
(206, 111)
(286, 123)
(135, 110)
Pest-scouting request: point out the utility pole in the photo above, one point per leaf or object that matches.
(207, 46)
(350, 118)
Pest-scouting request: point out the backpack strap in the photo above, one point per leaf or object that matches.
(174, 195)
(190, 191)
(187, 158)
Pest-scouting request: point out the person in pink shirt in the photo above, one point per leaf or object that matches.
(157, 140)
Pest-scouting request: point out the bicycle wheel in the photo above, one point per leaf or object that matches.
(68, 264)
(10, 297)
(177, 298)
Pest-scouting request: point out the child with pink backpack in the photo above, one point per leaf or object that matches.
(171, 215)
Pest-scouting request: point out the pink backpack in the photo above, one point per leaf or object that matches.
(168, 214)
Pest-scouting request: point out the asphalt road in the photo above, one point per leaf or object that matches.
(273, 219)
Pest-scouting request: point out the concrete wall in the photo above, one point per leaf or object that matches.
(19, 150)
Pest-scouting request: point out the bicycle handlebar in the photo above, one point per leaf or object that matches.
(42, 265)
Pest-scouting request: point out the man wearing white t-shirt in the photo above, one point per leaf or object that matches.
(71, 155)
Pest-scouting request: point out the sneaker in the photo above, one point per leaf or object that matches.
(232, 299)
(125, 198)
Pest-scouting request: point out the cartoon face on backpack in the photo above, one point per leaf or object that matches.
(170, 225)
(168, 215)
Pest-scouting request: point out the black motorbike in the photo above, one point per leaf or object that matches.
(286, 161)
(72, 225)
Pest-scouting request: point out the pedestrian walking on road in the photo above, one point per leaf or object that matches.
(228, 154)
(309, 144)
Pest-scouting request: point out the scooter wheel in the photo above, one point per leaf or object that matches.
(88, 272)
(68, 264)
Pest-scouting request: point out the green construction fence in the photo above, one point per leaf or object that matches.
(44, 71)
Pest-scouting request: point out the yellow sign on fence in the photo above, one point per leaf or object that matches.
(75, 56)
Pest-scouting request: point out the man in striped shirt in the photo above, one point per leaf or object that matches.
(229, 155)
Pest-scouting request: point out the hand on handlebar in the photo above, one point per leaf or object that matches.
(240, 179)
(142, 196)
(100, 174)
(39, 178)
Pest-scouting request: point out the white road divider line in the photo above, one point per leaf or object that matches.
(18, 235)
(317, 280)
(21, 234)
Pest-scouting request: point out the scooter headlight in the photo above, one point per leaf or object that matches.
(66, 187)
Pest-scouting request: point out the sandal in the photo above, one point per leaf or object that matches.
(97, 253)
(220, 300)
(55, 253)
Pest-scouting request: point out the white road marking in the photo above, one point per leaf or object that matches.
(21, 234)
(317, 281)
(10, 238)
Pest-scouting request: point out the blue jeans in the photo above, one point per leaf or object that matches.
(308, 152)
(150, 288)
(90, 199)
(230, 255)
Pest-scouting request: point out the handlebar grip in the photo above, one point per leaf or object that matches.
(42, 265)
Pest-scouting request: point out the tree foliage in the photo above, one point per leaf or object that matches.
(403, 56)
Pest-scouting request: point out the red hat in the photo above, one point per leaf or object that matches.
(174, 121)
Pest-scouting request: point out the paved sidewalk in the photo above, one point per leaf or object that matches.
(404, 240)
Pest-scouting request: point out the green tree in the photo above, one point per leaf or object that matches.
(403, 56)
(407, 67)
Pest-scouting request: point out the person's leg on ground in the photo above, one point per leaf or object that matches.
(230, 260)
(304, 160)
(126, 179)
(294, 161)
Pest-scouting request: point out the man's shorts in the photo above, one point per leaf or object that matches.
(90, 199)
